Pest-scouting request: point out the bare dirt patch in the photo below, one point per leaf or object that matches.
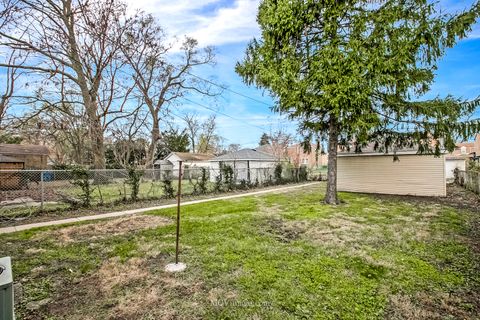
(114, 273)
(135, 289)
(98, 230)
(457, 197)
(284, 231)
(433, 306)
(340, 230)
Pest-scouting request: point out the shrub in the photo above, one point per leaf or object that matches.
(473, 166)
(202, 183)
(303, 173)
(199, 180)
(244, 185)
(278, 173)
(133, 180)
(81, 178)
(218, 187)
(227, 173)
(167, 187)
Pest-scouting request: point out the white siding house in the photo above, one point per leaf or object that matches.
(189, 159)
(248, 164)
(412, 174)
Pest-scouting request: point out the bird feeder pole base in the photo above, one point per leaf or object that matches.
(175, 267)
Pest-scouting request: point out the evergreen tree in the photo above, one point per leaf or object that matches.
(173, 140)
(356, 71)
(264, 139)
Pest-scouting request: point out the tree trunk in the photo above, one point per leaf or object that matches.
(98, 148)
(331, 194)
(153, 145)
(89, 95)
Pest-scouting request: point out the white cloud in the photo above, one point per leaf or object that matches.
(208, 21)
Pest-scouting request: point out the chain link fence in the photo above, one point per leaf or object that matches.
(468, 179)
(24, 192)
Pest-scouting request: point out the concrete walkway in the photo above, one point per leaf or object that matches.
(134, 211)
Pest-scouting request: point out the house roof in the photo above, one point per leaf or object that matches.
(24, 149)
(187, 156)
(246, 154)
(369, 150)
(163, 162)
(454, 157)
(7, 159)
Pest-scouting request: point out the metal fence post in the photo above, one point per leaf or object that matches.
(42, 188)
(179, 194)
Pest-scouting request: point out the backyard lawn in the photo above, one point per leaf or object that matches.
(274, 256)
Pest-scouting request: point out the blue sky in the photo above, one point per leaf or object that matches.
(229, 25)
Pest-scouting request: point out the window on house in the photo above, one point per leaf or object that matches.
(305, 161)
(463, 150)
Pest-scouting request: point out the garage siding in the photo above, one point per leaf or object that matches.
(412, 175)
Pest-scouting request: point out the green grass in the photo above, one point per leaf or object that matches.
(275, 256)
(107, 195)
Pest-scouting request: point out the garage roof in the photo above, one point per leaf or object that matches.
(369, 150)
(6, 159)
(245, 154)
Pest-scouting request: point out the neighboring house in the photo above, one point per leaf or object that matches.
(32, 156)
(248, 164)
(463, 152)
(470, 149)
(277, 150)
(296, 155)
(189, 159)
(374, 172)
(313, 159)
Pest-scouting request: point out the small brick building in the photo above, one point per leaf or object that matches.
(32, 156)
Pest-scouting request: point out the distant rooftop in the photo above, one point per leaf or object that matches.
(162, 162)
(187, 156)
(17, 149)
(246, 154)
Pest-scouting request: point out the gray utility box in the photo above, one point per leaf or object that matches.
(6, 289)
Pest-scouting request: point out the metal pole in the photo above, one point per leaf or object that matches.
(179, 194)
(42, 189)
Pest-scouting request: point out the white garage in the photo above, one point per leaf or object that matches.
(248, 164)
(452, 163)
(412, 174)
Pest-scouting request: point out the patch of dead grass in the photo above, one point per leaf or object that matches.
(98, 230)
(114, 273)
(285, 231)
(134, 289)
(432, 306)
(339, 230)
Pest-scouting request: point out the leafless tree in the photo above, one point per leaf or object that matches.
(233, 147)
(193, 126)
(209, 141)
(68, 41)
(64, 132)
(11, 73)
(126, 136)
(279, 141)
(161, 75)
